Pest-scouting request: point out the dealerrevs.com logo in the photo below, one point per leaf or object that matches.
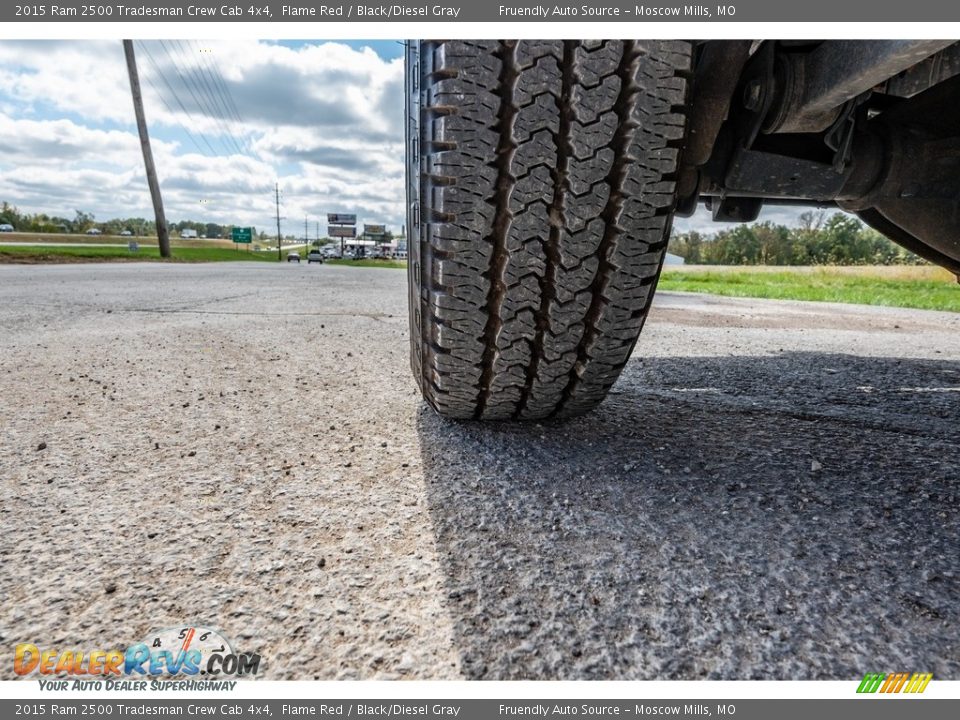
(170, 652)
(889, 683)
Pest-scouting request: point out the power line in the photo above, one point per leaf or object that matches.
(221, 85)
(188, 81)
(223, 94)
(214, 104)
(206, 92)
(203, 72)
(170, 110)
(176, 97)
(198, 75)
(193, 88)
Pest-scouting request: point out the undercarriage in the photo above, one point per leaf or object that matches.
(870, 127)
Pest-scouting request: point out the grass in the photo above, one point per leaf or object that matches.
(369, 263)
(80, 253)
(83, 239)
(922, 287)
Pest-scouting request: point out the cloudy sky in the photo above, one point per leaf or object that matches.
(227, 119)
(325, 119)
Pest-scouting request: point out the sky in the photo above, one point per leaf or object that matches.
(324, 120)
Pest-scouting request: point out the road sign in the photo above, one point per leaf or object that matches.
(341, 219)
(342, 232)
(242, 235)
(133, 246)
(374, 229)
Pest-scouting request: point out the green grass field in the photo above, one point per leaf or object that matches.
(77, 239)
(81, 253)
(925, 288)
(395, 264)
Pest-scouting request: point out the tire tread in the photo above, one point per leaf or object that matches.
(547, 191)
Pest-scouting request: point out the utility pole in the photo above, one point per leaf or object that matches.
(277, 190)
(163, 237)
(306, 240)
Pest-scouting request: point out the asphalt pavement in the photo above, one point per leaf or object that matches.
(771, 491)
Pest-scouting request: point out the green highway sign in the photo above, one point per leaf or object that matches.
(242, 235)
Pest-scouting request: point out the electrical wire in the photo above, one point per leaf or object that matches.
(159, 71)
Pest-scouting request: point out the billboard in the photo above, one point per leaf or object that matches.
(343, 232)
(341, 219)
(374, 229)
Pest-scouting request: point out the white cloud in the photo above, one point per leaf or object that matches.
(28, 142)
(702, 222)
(88, 78)
(325, 119)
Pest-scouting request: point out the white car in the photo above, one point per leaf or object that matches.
(94, 231)
(6, 227)
(126, 233)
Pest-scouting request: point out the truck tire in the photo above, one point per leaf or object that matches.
(541, 189)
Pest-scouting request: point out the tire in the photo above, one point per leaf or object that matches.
(541, 189)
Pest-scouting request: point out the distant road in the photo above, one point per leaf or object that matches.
(114, 244)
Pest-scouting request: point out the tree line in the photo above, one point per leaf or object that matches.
(83, 221)
(839, 239)
(817, 240)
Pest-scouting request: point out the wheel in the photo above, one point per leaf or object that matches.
(541, 184)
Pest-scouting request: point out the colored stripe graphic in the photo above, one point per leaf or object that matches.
(870, 682)
(918, 682)
(889, 683)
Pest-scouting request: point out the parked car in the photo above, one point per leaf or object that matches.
(126, 233)
(94, 231)
(293, 256)
(6, 227)
(314, 256)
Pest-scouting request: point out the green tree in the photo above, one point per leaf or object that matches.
(82, 221)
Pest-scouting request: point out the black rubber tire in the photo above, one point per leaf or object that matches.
(543, 176)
